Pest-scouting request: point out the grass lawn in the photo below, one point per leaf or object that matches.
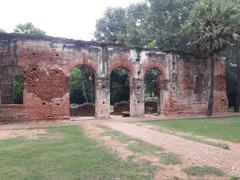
(220, 128)
(202, 171)
(72, 155)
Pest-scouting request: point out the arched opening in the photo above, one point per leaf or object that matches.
(120, 92)
(82, 91)
(152, 92)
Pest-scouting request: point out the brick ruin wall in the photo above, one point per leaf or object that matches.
(46, 64)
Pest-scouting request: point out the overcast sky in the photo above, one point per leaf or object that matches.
(63, 18)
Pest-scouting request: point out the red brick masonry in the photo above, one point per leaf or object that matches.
(46, 63)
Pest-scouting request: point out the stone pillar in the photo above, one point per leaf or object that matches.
(102, 98)
(137, 98)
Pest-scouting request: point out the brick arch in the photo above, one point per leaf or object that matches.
(162, 72)
(153, 65)
(84, 58)
(121, 67)
(92, 65)
(93, 68)
(122, 63)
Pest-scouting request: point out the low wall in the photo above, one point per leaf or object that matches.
(83, 110)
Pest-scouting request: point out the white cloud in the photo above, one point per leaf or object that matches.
(64, 18)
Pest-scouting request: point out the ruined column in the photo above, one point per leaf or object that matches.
(137, 97)
(103, 98)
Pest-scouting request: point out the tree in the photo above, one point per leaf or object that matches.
(122, 25)
(164, 19)
(154, 23)
(212, 28)
(28, 28)
(236, 107)
(82, 85)
(112, 26)
(2, 31)
(152, 83)
(134, 21)
(231, 72)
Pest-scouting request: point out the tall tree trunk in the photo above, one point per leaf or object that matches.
(92, 85)
(83, 85)
(210, 102)
(236, 108)
(84, 92)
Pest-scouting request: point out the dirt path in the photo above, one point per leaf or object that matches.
(232, 146)
(226, 160)
(163, 172)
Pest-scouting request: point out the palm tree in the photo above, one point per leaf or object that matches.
(212, 27)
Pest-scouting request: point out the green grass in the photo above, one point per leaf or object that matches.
(220, 128)
(170, 159)
(72, 156)
(204, 170)
(234, 178)
(143, 148)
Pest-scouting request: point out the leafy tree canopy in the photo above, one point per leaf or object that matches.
(212, 26)
(154, 23)
(2, 31)
(28, 28)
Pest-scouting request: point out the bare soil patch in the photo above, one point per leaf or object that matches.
(27, 133)
(31, 134)
(111, 142)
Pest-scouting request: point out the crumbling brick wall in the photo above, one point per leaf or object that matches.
(46, 64)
